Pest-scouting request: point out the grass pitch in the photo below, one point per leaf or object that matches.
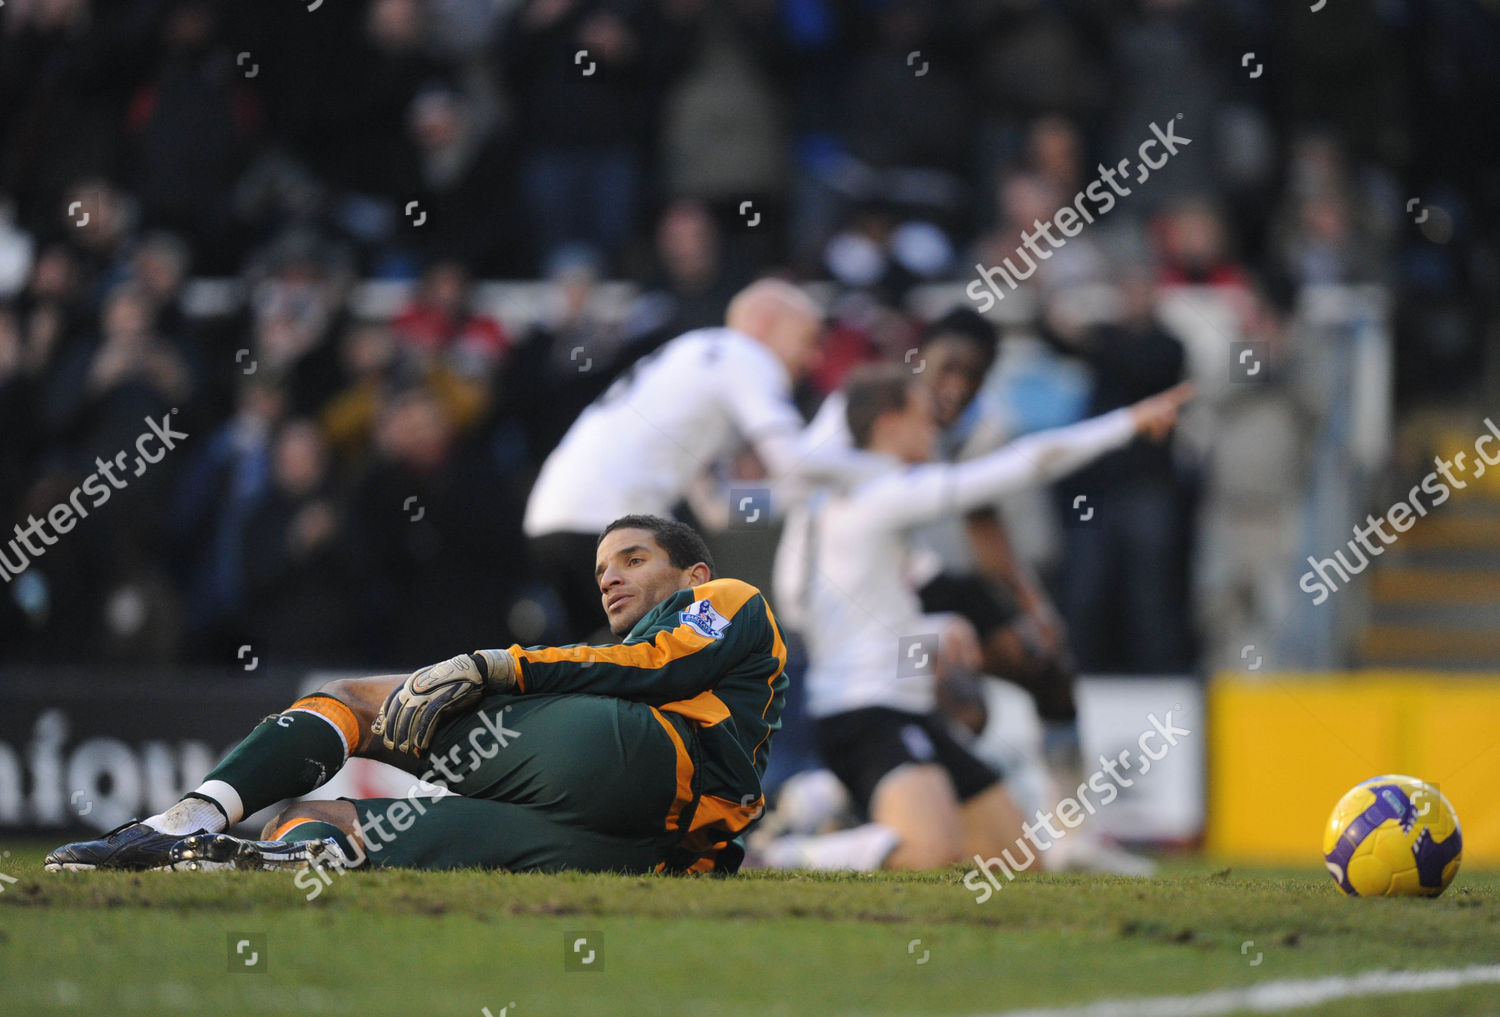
(761, 944)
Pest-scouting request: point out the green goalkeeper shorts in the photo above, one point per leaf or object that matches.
(542, 782)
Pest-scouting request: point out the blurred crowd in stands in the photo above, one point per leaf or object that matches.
(352, 489)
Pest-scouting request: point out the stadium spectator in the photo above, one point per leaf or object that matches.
(467, 186)
(1054, 152)
(1255, 482)
(438, 527)
(222, 482)
(300, 570)
(16, 414)
(441, 322)
(1033, 59)
(1194, 247)
(67, 70)
(159, 266)
(101, 220)
(564, 360)
(370, 358)
(52, 310)
(377, 370)
(1123, 590)
(583, 75)
(912, 142)
(723, 136)
(1323, 234)
(294, 310)
(190, 128)
(1164, 56)
(692, 280)
(101, 392)
(363, 117)
(861, 329)
(1021, 199)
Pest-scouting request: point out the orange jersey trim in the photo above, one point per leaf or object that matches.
(684, 793)
(778, 649)
(717, 817)
(646, 656)
(726, 596)
(705, 708)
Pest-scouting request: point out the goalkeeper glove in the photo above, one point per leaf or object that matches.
(413, 710)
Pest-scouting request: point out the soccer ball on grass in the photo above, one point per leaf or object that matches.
(1393, 836)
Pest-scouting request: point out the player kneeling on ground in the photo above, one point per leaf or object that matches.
(644, 755)
(875, 658)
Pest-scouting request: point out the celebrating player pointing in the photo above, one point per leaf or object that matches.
(870, 677)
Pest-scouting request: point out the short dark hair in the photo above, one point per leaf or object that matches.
(684, 547)
(872, 391)
(969, 324)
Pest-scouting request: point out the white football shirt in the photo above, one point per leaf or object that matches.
(940, 546)
(844, 570)
(672, 414)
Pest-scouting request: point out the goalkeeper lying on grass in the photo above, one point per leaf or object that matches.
(639, 756)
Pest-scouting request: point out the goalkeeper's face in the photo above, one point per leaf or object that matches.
(635, 575)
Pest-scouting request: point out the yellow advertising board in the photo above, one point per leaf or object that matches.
(1284, 747)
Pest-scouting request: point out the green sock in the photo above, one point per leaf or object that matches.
(287, 755)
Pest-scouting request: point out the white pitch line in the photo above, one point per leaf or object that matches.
(1270, 997)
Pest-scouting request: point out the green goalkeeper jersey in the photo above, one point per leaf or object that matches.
(713, 657)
